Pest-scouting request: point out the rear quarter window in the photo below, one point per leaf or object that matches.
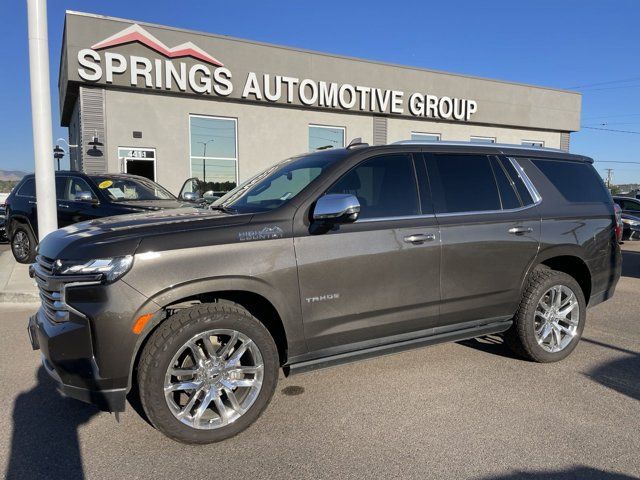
(576, 181)
(27, 189)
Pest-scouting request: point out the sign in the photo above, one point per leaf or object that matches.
(137, 153)
(204, 74)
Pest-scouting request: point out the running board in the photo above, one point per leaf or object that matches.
(377, 351)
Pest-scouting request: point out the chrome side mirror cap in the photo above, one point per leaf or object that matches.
(337, 208)
(190, 196)
(84, 197)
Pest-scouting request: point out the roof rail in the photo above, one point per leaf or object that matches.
(357, 143)
(466, 144)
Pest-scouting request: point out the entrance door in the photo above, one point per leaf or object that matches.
(138, 161)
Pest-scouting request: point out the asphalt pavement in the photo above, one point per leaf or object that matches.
(462, 410)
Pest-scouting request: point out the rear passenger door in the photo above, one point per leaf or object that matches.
(490, 232)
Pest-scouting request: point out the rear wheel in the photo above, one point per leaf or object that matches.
(551, 317)
(23, 244)
(207, 373)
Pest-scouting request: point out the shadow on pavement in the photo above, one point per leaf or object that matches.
(45, 441)
(621, 374)
(493, 344)
(575, 473)
(630, 264)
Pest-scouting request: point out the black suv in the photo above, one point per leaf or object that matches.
(79, 197)
(322, 259)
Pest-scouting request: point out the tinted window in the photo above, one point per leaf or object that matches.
(508, 194)
(631, 205)
(577, 182)
(462, 183)
(75, 186)
(524, 194)
(385, 187)
(61, 183)
(28, 188)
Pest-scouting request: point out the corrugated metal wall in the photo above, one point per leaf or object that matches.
(565, 140)
(379, 130)
(75, 157)
(92, 114)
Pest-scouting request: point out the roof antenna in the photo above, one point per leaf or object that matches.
(357, 142)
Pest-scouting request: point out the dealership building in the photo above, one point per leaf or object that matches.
(171, 104)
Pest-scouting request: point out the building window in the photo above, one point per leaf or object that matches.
(477, 139)
(214, 151)
(323, 136)
(533, 143)
(425, 137)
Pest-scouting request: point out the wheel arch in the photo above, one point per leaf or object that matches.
(570, 261)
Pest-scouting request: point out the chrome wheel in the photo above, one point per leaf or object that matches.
(21, 245)
(556, 318)
(214, 379)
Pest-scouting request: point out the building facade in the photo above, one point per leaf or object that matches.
(171, 104)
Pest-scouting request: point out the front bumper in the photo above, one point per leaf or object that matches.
(67, 358)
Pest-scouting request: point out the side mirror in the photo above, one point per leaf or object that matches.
(85, 197)
(337, 208)
(190, 196)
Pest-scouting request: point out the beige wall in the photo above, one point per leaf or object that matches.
(266, 134)
(400, 129)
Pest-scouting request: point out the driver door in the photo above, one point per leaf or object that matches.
(368, 280)
(70, 209)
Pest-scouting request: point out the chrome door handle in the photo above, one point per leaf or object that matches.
(62, 205)
(420, 238)
(520, 230)
(32, 202)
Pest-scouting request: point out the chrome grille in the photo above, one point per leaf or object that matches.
(52, 298)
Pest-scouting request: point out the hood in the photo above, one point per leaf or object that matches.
(122, 234)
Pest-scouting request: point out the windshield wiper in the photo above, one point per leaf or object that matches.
(222, 208)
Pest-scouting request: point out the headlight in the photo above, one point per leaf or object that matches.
(111, 268)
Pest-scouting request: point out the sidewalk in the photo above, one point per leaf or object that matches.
(15, 284)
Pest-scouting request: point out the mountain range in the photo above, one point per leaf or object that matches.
(12, 174)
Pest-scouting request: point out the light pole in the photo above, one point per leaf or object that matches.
(58, 153)
(204, 159)
(41, 117)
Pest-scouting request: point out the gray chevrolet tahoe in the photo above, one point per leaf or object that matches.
(321, 259)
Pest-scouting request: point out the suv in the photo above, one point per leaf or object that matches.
(79, 197)
(322, 259)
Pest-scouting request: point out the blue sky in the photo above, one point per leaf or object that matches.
(562, 44)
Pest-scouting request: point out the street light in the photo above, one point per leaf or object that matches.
(204, 160)
(58, 153)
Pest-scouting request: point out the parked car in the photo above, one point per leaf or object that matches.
(322, 259)
(80, 197)
(619, 224)
(631, 227)
(3, 232)
(630, 206)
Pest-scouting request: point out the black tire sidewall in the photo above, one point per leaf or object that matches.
(32, 244)
(152, 382)
(539, 353)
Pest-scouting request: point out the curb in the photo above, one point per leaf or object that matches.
(19, 297)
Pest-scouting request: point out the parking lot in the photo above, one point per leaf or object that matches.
(464, 410)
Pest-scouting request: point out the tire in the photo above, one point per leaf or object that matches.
(23, 244)
(529, 321)
(162, 351)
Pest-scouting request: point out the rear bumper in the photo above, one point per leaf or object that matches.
(68, 359)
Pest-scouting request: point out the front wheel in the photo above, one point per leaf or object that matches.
(23, 244)
(551, 317)
(207, 373)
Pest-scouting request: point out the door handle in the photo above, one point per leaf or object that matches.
(420, 238)
(520, 230)
(62, 205)
(32, 202)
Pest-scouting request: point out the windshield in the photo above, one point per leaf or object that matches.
(276, 185)
(120, 189)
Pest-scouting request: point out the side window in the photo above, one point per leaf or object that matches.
(61, 183)
(385, 187)
(508, 195)
(28, 188)
(75, 186)
(523, 192)
(462, 183)
(631, 205)
(576, 181)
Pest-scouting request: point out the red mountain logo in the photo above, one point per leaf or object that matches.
(135, 33)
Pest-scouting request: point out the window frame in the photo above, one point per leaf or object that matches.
(413, 158)
(237, 157)
(438, 135)
(327, 127)
(18, 194)
(482, 137)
